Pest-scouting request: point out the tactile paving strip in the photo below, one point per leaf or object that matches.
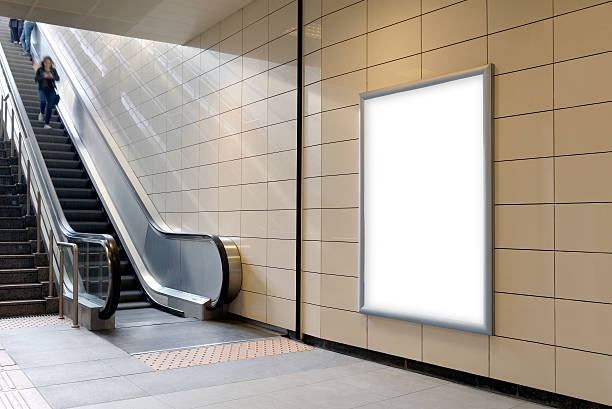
(32, 321)
(214, 354)
(12, 400)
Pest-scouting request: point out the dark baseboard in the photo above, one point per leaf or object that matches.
(552, 399)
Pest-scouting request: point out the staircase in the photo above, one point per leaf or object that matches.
(79, 200)
(24, 274)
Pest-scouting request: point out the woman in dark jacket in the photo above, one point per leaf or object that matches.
(14, 25)
(46, 76)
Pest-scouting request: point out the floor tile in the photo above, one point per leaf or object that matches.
(90, 392)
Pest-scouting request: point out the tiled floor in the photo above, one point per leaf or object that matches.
(61, 367)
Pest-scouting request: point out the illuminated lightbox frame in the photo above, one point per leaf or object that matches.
(426, 206)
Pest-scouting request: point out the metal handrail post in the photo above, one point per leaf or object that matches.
(61, 284)
(38, 223)
(28, 194)
(75, 279)
(12, 124)
(50, 263)
(19, 172)
(75, 285)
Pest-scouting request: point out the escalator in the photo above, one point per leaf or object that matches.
(79, 199)
(124, 256)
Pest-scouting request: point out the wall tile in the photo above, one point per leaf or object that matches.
(254, 224)
(311, 288)
(524, 92)
(254, 278)
(463, 351)
(283, 21)
(525, 272)
(280, 312)
(524, 227)
(383, 45)
(583, 227)
(340, 258)
(342, 91)
(583, 81)
(525, 317)
(382, 13)
(311, 316)
(311, 256)
(584, 325)
(340, 191)
(281, 283)
(583, 276)
(340, 158)
(454, 58)
(311, 224)
(250, 305)
(522, 47)
(583, 129)
(339, 292)
(353, 330)
(524, 181)
(344, 24)
(394, 73)
(564, 6)
(395, 337)
(339, 125)
(583, 178)
(343, 57)
(453, 24)
(503, 14)
(524, 363)
(524, 136)
(339, 224)
(584, 32)
(584, 375)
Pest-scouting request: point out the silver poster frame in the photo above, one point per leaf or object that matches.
(487, 72)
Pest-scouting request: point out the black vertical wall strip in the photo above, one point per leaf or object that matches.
(298, 173)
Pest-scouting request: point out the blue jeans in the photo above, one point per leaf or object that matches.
(28, 26)
(47, 102)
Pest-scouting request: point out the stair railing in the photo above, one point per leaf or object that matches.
(100, 299)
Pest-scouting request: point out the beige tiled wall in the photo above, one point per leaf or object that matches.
(209, 128)
(553, 115)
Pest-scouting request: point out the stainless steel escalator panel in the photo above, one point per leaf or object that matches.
(191, 273)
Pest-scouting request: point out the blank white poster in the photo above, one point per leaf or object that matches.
(426, 203)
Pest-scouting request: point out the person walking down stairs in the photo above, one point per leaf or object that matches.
(46, 76)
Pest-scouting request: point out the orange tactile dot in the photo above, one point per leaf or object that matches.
(214, 354)
(31, 322)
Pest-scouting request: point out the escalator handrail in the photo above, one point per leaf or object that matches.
(49, 196)
(173, 235)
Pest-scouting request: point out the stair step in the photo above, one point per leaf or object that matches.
(19, 275)
(16, 247)
(66, 173)
(14, 223)
(90, 226)
(22, 307)
(12, 200)
(63, 155)
(12, 210)
(21, 291)
(55, 147)
(80, 204)
(63, 164)
(85, 216)
(133, 305)
(17, 261)
(12, 188)
(71, 183)
(76, 193)
(17, 235)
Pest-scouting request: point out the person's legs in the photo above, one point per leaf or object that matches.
(14, 37)
(21, 39)
(42, 98)
(50, 94)
(27, 32)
